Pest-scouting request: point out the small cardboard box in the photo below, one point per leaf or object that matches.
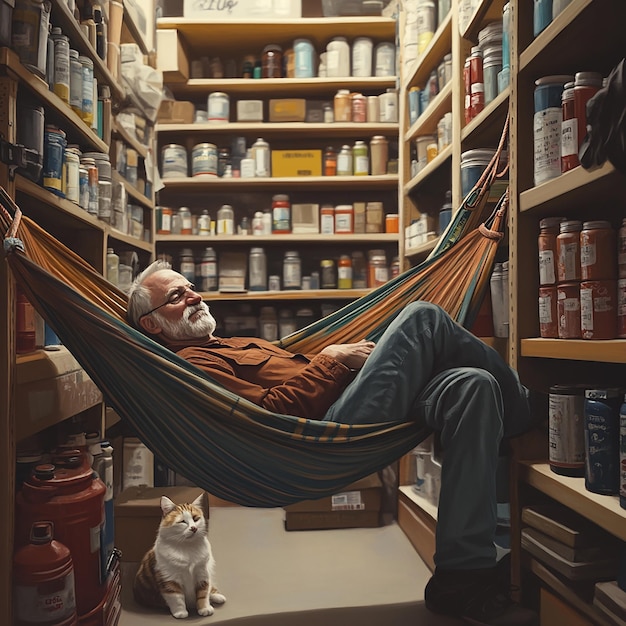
(287, 110)
(357, 506)
(138, 514)
(172, 59)
(294, 163)
(176, 112)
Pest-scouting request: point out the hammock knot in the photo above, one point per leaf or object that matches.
(490, 234)
(13, 243)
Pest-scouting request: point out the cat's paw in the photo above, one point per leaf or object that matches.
(207, 610)
(218, 598)
(180, 614)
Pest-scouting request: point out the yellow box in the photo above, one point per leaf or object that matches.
(172, 58)
(287, 110)
(294, 163)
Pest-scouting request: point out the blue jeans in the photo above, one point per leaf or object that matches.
(429, 368)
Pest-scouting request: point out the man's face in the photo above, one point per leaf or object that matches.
(181, 313)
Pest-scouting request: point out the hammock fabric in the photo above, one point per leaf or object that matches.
(224, 443)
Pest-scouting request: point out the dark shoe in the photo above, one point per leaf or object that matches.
(478, 597)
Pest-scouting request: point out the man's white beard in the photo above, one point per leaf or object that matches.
(203, 325)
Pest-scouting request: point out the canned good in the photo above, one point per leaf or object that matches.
(567, 430)
(83, 187)
(174, 161)
(218, 107)
(54, 149)
(72, 175)
(204, 160)
(598, 310)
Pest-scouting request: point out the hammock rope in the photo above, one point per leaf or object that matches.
(224, 443)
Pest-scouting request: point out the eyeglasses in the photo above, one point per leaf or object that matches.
(176, 297)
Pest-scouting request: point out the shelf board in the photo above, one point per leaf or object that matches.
(134, 193)
(432, 167)
(77, 131)
(133, 142)
(279, 87)
(61, 16)
(603, 510)
(113, 233)
(314, 239)
(486, 11)
(426, 505)
(296, 294)
(273, 129)
(129, 23)
(440, 45)
(610, 351)
(422, 250)
(487, 118)
(224, 35)
(426, 123)
(203, 185)
(576, 187)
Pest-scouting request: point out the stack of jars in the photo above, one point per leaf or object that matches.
(578, 268)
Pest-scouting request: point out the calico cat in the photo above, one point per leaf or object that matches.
(178, 571)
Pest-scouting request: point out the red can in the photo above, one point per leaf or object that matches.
(568, 310)
(548, 326)
(598, 309)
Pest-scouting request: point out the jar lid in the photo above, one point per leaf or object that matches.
(588, 78)
(327, 263)
(257, 251)
(557, 79)
(596, 224)
(73, 53)
(292, 253)
(280, 197)
(569, 226)
(186, 252)
(272, 47)
(550, 222)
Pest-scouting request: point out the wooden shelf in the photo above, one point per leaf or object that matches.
(602, 510)
(610, 351)
(204, 185)
(440, 45)
(273, 129)
(313, 239)
(424, 503)
(134, 34)
(296, 294)
(77, 131)
(486, 122)
(229, 34)
(196, 88)
(422, 250)
(432, 167)
(486, 11)
(133, 192)
(133, 142)
(113, 233)
(426, 123)
(61, 16)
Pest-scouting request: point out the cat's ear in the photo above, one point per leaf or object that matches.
(166, 505)
(200, 503)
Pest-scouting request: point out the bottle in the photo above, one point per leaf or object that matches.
(477, 85)
(379, 150)
(327, 219)
(342, 105)
(76, 83)
(569, 130)
(548, 229)
(344, 161)
(272, 62)
(361, 161)
(88, 102)
(113, 267)
(359, 270)
(257, 224)
(261, 154)
(204, 223)
(329, 274)
(268, 323)
(497, 300)
(226, 220)
(338, 58)
(208, 271)
(257, 274)
(101, 33)
(187, 265)
(378, 273)
(186, 223)
(61, 65)
(344, 272)
(248, 165)
(330, 161)
(292, 275)
(281, 214)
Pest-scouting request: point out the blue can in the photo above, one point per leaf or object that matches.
(602, 440)
(542, 15)
(54, 152)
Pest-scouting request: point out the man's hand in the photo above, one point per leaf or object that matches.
(352, 355)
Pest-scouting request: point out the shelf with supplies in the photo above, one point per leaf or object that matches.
(201, 184)
(486, 127)
(609, 351)
(273, 129)
(119, 131)
(130, 23)
(286, 294)
(426, 123)
(422, 251)
(485, 11)
(195, 88)
(443, 157)
(133, 192)
(312, 238)
(229, 34)
(56, 110)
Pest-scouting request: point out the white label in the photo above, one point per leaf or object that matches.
(588, 255)
(586, 310)
(347, 501)
(567, 446)
(38, 605)
(343, 222)
(568, 261)
(569, 137)
(545, 310)
(546, 268)
(327, 224)
(547, 144)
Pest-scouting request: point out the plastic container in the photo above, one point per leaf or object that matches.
(225, 220)
(362, 57)
(338, 58)
(542, 15)
(385, 59)
(292, 272)
(257, 270)
(304, 58)
(174, 161)
(281, 215)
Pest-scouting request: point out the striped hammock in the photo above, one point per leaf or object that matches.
(222, 442)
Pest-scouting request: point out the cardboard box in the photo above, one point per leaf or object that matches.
(294, 163)
(287, 110)
(357, 506)
(138, 514)
(214, 11)
(250, 110)
(172, 58)
(176, 112)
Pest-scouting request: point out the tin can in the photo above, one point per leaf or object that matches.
(174, 161)
(566, 422)
(83, 187)
(204, 160)
(218, 107)
(598, 310)
(548, 327)
(54, 150)
(72, 175)
(104, 200)
(602, 440)
(87, 107)
(568, 310)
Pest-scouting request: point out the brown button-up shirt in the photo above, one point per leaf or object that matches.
(282, 382)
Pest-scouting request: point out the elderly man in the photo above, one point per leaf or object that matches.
(425, 367)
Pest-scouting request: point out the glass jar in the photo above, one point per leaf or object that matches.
(292, 274)
(257, 266)
(359, 270)
(568, 251)
(272, 61)
(569, 130)
(361, 161)
(378, 273)
(186, 264)
(548, 229)
(598, 251)
(226, 220)
(344, 161)
(329, 274)
(207, 278)
(186, 223)
(344, 272)
(281, 214)
(330, 161)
